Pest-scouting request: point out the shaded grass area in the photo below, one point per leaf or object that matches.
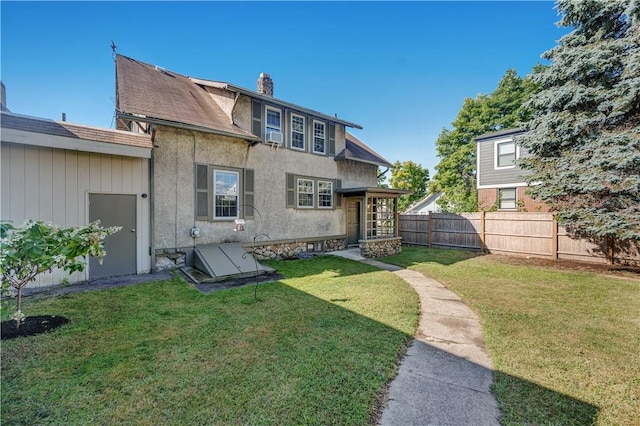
(565, 343)
(315, 348)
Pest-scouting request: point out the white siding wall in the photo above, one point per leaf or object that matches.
(52, 185)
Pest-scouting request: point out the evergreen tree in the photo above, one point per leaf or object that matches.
(456, 171)
(584, 134)
(411, 176)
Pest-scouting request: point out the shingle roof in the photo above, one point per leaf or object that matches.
(70, 130)
(356, 150)
(272, 100)
(152, 92)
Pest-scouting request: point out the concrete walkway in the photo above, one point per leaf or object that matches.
(446, 374)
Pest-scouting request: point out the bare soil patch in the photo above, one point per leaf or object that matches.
(619, 271)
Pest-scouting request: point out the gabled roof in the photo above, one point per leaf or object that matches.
(153, 94)
(356, 150)
(37, 131)
(425, 201)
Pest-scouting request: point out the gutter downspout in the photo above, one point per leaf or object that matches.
(383, 173)
(152, 244)
(233, 107)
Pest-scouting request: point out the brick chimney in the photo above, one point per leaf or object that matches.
(265, 85)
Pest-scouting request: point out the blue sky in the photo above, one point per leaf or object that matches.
(400, 69)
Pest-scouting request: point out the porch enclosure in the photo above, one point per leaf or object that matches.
(525, 234)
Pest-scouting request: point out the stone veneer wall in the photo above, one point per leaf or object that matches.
(167, 262)
(265, 251)
(281, 251)
(381, 247)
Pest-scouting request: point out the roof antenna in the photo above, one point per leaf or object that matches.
(113, 50)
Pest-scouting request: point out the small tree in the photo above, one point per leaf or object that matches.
(411, 176)
(37, 247)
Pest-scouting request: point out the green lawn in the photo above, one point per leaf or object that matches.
(316, 348)
(565, 343)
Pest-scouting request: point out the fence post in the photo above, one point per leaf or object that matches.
(483, 245)
(554, 237)
(430, 229)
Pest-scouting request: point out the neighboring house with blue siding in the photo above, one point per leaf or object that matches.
(501, 183)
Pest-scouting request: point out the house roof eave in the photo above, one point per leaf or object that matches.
(372, 190)
(505, 132)
(159, 121)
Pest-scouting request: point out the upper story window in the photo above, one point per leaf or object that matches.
(298, 135)
(274, 121)
(325, 194)
(305, 193)
(319, 137)
(225, 194)
(506, 154)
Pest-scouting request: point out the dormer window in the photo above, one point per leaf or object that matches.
(319, 137)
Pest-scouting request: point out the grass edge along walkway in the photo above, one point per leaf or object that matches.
(564, 342)
(316, 348)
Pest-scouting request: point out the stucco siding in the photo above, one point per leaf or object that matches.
(488, 175)
(175, 156)
(52, 185)
(356, 175)
(242, 113)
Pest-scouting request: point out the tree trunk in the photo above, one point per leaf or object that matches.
(19, 299)
(611, 243)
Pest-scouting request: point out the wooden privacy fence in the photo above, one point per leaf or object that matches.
(525, 234)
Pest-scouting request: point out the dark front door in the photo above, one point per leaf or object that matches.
(353, 222)
(115, 210)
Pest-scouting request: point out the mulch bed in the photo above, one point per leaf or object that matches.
(31, 326)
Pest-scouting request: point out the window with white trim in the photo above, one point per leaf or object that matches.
(382, 213)
(506, 154)
(305, 193)
(319, 137)
(225, 194)
(298, 133)
(325, 194)
(507, 198)
(274, 120)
